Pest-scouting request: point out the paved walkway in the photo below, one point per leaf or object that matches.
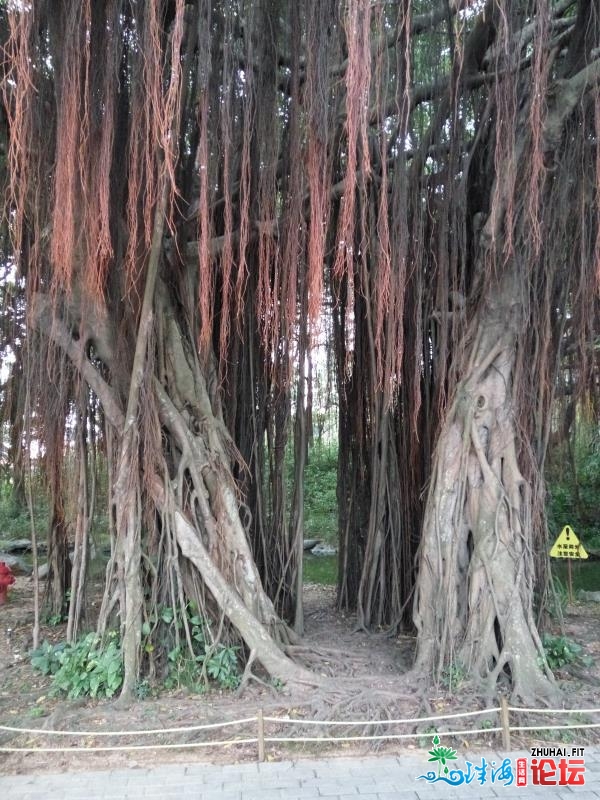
(373, 778)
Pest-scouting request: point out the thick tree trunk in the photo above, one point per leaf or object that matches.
(191, 488)
(473, 606)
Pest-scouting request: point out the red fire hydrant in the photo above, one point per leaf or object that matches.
(6, 579)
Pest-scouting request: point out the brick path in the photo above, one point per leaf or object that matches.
(373, 778)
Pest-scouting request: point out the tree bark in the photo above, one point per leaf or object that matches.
(196, 498)
(473, 607)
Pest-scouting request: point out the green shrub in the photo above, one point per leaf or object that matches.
(87, 668)
(191, 670)
(560, 651)
(222, 666)
(453, 676)
(46, 659)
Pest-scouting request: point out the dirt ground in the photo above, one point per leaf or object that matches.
(366, 679)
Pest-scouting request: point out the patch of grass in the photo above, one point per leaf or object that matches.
(320, 569)
(586, 574)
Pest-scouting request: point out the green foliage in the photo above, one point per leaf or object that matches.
(441, 754)
(320, 493)
(183, 670)
(453, 676)
(192, 670)
(57, 619)
(560, 651)
(14, 518)
(586, 574)
(54, 619)
(46, 659)
(573, 478)
(87, 668)
(143, 690)
(320, 490)
(222, 666)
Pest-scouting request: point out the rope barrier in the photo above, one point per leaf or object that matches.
(191, 729)
(555, 710)
(262, 739)
(347, 723)
(299, 721)
(556, 727)
(374, 737)
(125, 747)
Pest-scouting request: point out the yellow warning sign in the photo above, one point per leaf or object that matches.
(568, 545)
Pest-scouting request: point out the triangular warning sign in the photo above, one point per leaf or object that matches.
(568, 545)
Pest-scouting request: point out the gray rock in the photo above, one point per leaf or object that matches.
(15, 546)
(17, 565)
(324, 550)
(20, 546)
(310, 543)
(589, 597)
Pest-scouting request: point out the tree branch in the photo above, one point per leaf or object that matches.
(44, 320)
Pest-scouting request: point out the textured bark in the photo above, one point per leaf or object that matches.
(475, 587)
(196, 498)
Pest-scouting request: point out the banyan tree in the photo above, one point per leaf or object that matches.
(192, 188)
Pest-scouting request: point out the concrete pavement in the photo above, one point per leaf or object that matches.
(360, 778)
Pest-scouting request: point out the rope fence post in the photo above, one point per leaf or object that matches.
(261, 735)
(505, 722)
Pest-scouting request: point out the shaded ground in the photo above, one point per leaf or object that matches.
(366, 680)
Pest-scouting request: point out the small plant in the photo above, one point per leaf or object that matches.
(46, 659)
(441, 755)
(222, 666)
(85, 668)
(54, 619)
(192, 668)
(143, 690)
(560, 651)
(453, 676)
(183, 670)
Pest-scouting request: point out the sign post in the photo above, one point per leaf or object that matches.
(568, 546)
